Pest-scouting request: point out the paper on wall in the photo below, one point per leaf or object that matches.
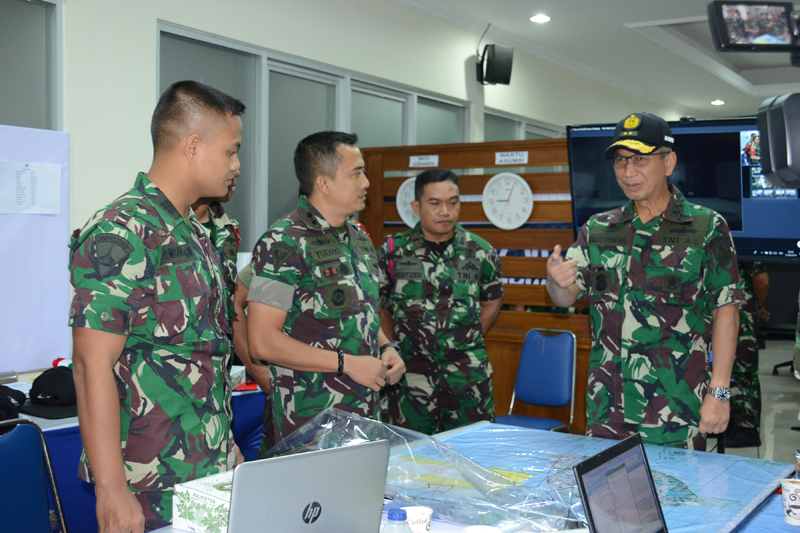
(30, 188)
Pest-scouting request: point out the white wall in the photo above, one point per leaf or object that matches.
(111, 56)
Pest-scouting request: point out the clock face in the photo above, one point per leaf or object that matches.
(507, 200)
(405, 195)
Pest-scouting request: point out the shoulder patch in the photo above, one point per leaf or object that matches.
(229, 247)
(110, 250)
(280, 253)
(722, 249)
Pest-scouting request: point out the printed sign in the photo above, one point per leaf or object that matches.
(424, 161)
(511, 158)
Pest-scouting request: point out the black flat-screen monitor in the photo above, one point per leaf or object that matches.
(718, 167)
(752, 26)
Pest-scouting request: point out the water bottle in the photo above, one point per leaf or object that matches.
(397, 522)
(797, 464)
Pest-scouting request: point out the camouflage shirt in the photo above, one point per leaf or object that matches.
(747, 271)
(652, 288)
(327, 282)
(435, 297)
(139, 269)
(224, 235)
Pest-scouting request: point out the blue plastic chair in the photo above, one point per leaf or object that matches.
(25, 469)
(545, 377)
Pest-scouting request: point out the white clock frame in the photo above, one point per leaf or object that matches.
(403, 199)
(522, 205)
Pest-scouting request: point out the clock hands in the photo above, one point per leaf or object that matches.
(511, 192)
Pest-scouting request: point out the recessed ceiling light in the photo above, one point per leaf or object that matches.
(718, 102)
(540, 18)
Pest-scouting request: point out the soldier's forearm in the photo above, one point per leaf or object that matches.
(761, 288)
(724, 334)
(489, 312)
(98, 404)
(387, 325)
(267, 342)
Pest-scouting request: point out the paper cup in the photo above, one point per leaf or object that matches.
(482, 529)
(791, 501)
(418, 518)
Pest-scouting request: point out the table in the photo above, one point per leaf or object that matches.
(78, 497)
(64, 441)
(700, 491)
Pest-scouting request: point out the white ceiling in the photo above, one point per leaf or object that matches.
(660, 50)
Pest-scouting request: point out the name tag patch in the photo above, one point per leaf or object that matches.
(408, 268)
(609, 236)
(324, 247)
(176, 253)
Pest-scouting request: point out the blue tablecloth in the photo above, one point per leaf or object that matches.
(77, 496)
(769, 517)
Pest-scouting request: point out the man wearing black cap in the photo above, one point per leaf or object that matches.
(661, 276)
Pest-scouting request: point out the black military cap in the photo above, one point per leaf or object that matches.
(641, 133)
(53, 394)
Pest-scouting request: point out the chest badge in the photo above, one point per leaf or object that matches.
(601, 281)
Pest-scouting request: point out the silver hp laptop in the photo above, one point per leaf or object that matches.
(618, 492)
(339, 490)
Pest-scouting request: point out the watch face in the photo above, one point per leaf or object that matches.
(721, 393)
(405, 195)
(507, 200)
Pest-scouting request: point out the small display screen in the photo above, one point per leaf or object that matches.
(621, 497)
(763, 24)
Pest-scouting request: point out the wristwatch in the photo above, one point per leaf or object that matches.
(722, 394)
(390, 345)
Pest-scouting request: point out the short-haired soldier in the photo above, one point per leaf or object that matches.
(313, 300)
(149, 319)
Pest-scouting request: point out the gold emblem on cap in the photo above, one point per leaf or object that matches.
(632, 122)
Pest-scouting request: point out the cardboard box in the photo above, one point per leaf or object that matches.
(202, 505)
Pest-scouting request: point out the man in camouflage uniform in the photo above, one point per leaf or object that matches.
(662, 279)
(313, 302)
(779, 27)
(150, 328)
(255, 367)
(746, 396)
(441, 290)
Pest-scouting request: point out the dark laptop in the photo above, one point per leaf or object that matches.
(618, 492)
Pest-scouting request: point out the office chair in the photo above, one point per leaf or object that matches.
(546, 377)
(25, 469)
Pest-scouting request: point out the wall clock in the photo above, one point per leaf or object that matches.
(507, 200)
(405, 195)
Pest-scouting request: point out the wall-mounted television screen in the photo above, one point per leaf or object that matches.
(718, 167)
(752, 26)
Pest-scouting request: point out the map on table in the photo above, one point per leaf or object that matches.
(699, 491)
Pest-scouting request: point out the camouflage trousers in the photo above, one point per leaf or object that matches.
(157, 508)
(671, 434)
(267, 431)
(746, 393)
(432, 397)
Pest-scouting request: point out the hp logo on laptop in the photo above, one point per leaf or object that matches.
(312, 511)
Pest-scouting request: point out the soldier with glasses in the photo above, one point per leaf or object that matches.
(661, 276)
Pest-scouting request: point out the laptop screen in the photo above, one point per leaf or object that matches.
(618, 492)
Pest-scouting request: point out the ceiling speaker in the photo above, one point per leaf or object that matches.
(495, 64)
